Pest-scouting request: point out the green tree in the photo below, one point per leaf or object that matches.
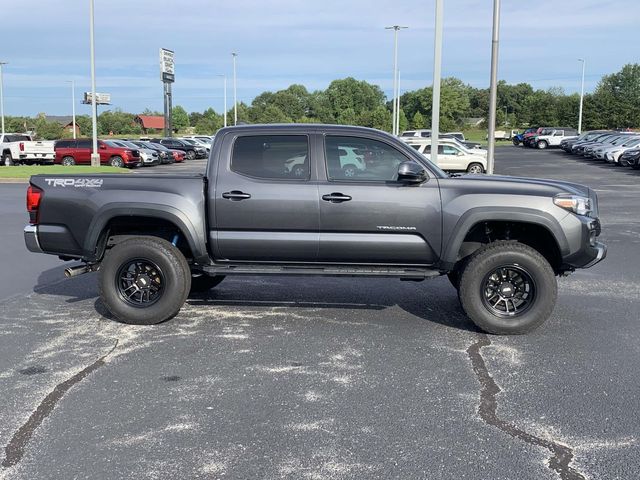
(48, 130)
(117, 122)
(381, 119)
(179, 118)
(353, 95)
(618, 97)
(348, 117)
(418, 121)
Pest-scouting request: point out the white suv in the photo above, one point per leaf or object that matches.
(453, 158)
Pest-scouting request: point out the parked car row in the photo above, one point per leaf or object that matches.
(620, 148)
(130, 152)
(544, 137)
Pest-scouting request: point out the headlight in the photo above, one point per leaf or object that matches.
(574, 203)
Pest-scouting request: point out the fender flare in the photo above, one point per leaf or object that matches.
(515, 214)
(162, 212)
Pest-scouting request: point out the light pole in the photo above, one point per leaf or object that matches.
(225, 98)
(95, 157)
(73, 106)
(395, 29)
(437, 73)
(2, 96)
(398, 106)
(235, 91)
(493, 87)
(581, 96)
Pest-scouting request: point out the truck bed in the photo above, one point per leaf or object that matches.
(77, 211)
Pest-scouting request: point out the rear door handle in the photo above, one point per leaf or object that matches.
(336, 197)
(235, 195)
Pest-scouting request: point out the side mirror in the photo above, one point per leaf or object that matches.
(411, 172)
(460, 154)
(103, 146)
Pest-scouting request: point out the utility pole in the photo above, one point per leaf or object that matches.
(95, 157)
(235, 91)
(493, 88)
(73, 106)
(2, 96)
(581, 96)
(224, 115)
(394, 122)
(437, 74)
(398, 107)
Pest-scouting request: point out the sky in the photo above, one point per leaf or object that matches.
(281, 42)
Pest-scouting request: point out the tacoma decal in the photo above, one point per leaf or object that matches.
(392, 227)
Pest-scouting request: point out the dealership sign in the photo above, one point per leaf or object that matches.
(167, 67)
(101, 98)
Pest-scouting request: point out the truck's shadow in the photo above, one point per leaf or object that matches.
(431, 301)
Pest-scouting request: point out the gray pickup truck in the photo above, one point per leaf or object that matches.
(318, 200)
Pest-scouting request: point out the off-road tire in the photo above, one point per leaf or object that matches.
(204, 283)
(542, 144)
(175, 272)
(68, 161)
(507, 253)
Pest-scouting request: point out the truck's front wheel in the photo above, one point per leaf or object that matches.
(508, 288)
(144, 280)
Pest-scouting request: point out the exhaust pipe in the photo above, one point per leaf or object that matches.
(75, 271)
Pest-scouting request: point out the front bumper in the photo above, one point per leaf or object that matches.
(31, 239)
(590, 250)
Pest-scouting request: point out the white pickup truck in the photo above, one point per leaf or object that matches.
(19, 148)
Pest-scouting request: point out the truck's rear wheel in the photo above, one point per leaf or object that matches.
(203, 283)
(68, 161)
(144, 280)
(7, 160)
(508, 288)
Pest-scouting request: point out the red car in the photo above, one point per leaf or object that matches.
(78, 152)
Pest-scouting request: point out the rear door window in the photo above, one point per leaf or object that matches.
(84, 144)
(277, 157)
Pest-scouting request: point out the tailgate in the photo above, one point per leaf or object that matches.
(37, 147)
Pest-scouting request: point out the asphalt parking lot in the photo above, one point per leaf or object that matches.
(325, 378)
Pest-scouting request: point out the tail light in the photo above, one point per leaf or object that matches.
(34, 195)
(21, 146)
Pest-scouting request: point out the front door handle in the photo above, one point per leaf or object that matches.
(336, 197)
(235, 195)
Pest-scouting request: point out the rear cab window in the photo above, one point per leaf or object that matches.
(273, 157)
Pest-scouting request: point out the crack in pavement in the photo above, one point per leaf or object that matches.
(562, 456)
(15, 449)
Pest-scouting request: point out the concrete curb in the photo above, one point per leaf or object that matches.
(14, 180)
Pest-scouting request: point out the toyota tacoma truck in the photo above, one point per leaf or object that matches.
(152, 239)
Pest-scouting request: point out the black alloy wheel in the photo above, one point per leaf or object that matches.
(508, 291)
(140, 282)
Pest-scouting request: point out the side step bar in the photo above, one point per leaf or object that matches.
(329, 270)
